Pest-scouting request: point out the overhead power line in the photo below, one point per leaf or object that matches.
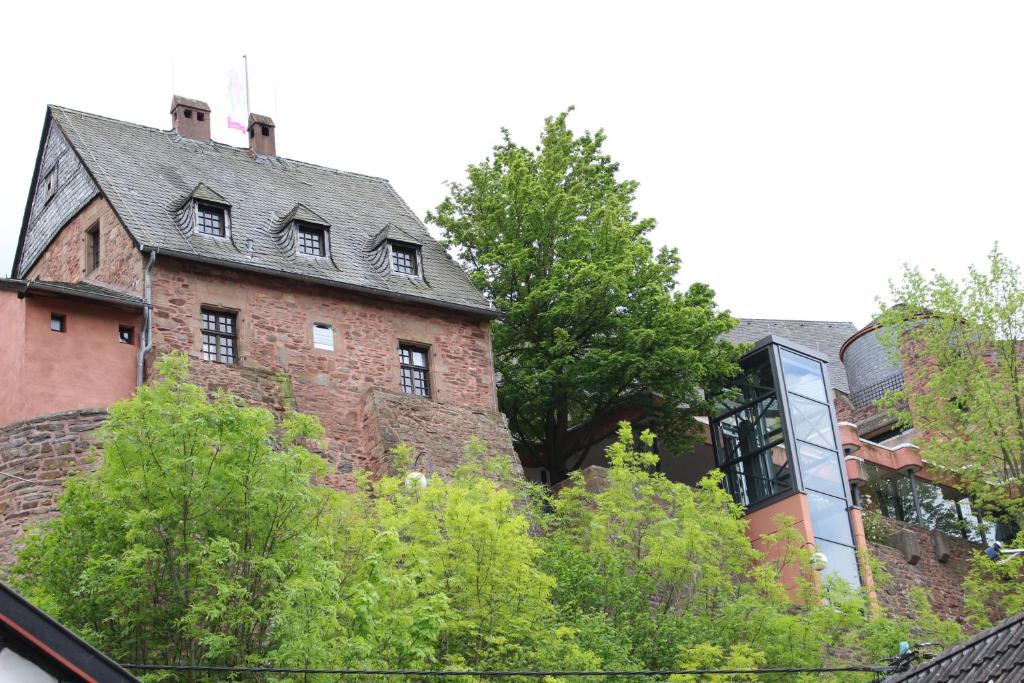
(497, 674)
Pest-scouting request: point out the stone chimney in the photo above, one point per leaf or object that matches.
(190, 118)
(261, 135)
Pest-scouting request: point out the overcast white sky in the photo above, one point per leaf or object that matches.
(796, 153)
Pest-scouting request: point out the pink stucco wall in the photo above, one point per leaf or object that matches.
(43, 372)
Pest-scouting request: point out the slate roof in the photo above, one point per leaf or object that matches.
(823, 336)
(82, 290)
(993, 655)
(148, 174)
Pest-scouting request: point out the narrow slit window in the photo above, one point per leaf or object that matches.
(415, 370)
(323, 337)
(92, 248)
(58, 322)
(312, 241)
(211, 220)
(404, 260)
(220, 336)
(125, 334)
(50, 184)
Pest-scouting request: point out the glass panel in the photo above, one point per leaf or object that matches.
(888, 492)
(821, 469)
(842, 561)
(812, 422)
(755, 381)
(830, 518)
(939, 508)
(759, 476)
(803, 376)
(749, 430)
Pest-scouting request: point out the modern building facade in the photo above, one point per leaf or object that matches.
(292, 285)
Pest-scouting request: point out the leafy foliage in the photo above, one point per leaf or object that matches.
(963, 363)
(592, 324)
(205, 538)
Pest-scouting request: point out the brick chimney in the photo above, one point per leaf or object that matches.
(190, 118)
(261, 135)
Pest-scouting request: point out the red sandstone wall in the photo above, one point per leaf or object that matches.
(84, 367)
(943, 581)
(275, 319)
(122, 266)
(43, 450)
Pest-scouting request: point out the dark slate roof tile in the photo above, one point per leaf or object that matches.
(823, 336)
(145, 173)
(993, 655)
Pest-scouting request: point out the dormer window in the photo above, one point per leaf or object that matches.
(211, 220)
(311, 240)
(405, 259)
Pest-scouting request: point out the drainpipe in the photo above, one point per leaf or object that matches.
(147, 321)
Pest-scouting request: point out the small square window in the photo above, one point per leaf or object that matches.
(415, 369)
(404, 260)
(188, 113)
(220, 336)
(92, 248)
(323, 337)
(210, 220)
(200, 116)
(311, 241)
(125, 334)
(50, 184)
(58, 322)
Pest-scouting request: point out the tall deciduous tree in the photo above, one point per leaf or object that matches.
(591, 321)
(962, 349)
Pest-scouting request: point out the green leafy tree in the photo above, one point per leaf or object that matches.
(960, 343)
(591, 322)
(656, 574)
(205, 537)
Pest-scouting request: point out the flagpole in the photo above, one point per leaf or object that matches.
(248, 109)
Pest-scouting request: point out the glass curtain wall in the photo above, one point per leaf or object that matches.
(776, 434)
(904, 497)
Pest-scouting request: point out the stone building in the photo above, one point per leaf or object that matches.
(289, 284)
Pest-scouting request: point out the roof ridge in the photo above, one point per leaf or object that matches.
(217, 143)
(974, 640)
(797, 320)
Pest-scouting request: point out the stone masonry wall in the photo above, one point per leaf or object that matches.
(44, 450)
(438, 434)
(122, 266)
(943, 581)
(275, 319)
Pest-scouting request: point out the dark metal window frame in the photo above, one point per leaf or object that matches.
(215, 336)
(61, 319)
(410, 372)
(202, 207)
(310, 240)
(126, 334)
(411, 265)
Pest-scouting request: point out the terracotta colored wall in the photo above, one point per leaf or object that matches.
(12, 352)
(85, 367)
(122, 266)
(761, 522)
(275, 320)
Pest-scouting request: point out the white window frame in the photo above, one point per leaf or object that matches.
(323, 346)
(417, 251)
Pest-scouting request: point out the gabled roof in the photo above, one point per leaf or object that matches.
(38, 637)
(205, 194)
(824, 336)
(146, 173)
(304, 215)
(993, 655)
